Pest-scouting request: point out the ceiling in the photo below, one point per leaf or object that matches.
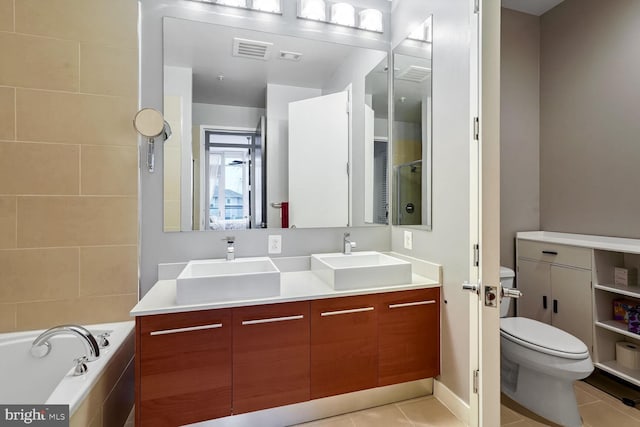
(532, 7)
(207, 49)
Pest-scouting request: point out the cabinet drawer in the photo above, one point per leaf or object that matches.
(554, 253)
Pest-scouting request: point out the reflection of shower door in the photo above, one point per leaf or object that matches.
(409, 193)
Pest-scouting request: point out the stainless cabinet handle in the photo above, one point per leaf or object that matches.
(189, 329)
(353, 310)
(550, 252)
(411, 304)
(272, 320)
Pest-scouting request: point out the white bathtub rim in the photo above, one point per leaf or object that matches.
(72, 390)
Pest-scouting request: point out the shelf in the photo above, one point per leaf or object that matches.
(612, 367)
(630, 291)
(618, 327)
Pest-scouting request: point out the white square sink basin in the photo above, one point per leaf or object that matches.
(214, 280)
(360, 270)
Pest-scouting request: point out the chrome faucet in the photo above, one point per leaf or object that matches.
(347, 244)
(41, 345)
(231, 253)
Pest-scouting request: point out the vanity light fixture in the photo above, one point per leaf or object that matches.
(370, 19)
(343, 14)
(313, 9)
(269, 6)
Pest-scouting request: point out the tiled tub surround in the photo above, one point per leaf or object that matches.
(68, 162)
(357, 352)
(103, 396)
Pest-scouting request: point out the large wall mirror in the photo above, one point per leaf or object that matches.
(272, 131)
(412, 129)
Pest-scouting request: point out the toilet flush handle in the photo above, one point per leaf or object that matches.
(511, 293)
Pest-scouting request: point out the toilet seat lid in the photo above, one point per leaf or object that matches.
(543, 338)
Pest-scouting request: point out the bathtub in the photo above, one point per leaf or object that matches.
(25, 379)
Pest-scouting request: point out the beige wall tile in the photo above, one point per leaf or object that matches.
(49, 64)
(108, 270)
(7, 222)
(75, 118)
(102, 21)
(6, 15)
(77, 221)
(7, 317)
(7, 113)
(89, 310)
(38, 274)
(39, 168)
(109, 170)
(108, 70)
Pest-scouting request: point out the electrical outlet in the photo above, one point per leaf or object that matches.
(408, 240)
(275, 244)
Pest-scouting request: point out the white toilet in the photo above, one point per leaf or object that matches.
(539, 364)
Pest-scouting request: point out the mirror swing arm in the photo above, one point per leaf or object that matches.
(150, 123)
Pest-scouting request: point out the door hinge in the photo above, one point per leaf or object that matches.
(476, 255)
(476, 128)
(476, 6)
(476, 381)
(347, 168)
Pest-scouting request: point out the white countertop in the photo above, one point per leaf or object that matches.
(618, 244)
(294, 286)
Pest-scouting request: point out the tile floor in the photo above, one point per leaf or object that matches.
(597, 409)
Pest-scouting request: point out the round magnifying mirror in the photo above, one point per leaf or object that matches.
(149, 122)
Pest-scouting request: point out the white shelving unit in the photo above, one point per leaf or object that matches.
(607, 253)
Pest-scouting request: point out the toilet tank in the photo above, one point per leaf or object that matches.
(506, 280)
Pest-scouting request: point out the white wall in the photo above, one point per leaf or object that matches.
(179, 82)
(448, 244)
(226, 115)
(278, 99)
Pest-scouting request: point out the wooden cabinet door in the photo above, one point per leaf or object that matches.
(183, 365)
(534, 281)
(572, 303)
(344, 345)
(409, 335)
(270, 356)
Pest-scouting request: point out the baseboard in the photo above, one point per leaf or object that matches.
(457, 406)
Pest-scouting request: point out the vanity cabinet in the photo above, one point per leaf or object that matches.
(409, 335)
(344, 345)
(555, 281)
(201, 365)
(183, 363)
(270, 356)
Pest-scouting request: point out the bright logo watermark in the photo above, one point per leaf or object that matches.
(34, 415)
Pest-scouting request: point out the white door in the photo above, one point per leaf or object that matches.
(485, 398)
(319, 162)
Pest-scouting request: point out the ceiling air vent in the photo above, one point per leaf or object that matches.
(414, 74)
(251, 49)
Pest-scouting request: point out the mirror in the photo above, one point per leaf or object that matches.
(272, 130)
(412, 129)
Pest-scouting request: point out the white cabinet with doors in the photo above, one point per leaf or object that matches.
(555, 281)
(575, 273)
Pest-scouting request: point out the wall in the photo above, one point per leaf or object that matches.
(589, 93)
(158, 247)
(519, 129)
(68, 162)
(448, 244)
(230, 115)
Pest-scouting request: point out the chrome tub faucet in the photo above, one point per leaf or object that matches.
(41, 345)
